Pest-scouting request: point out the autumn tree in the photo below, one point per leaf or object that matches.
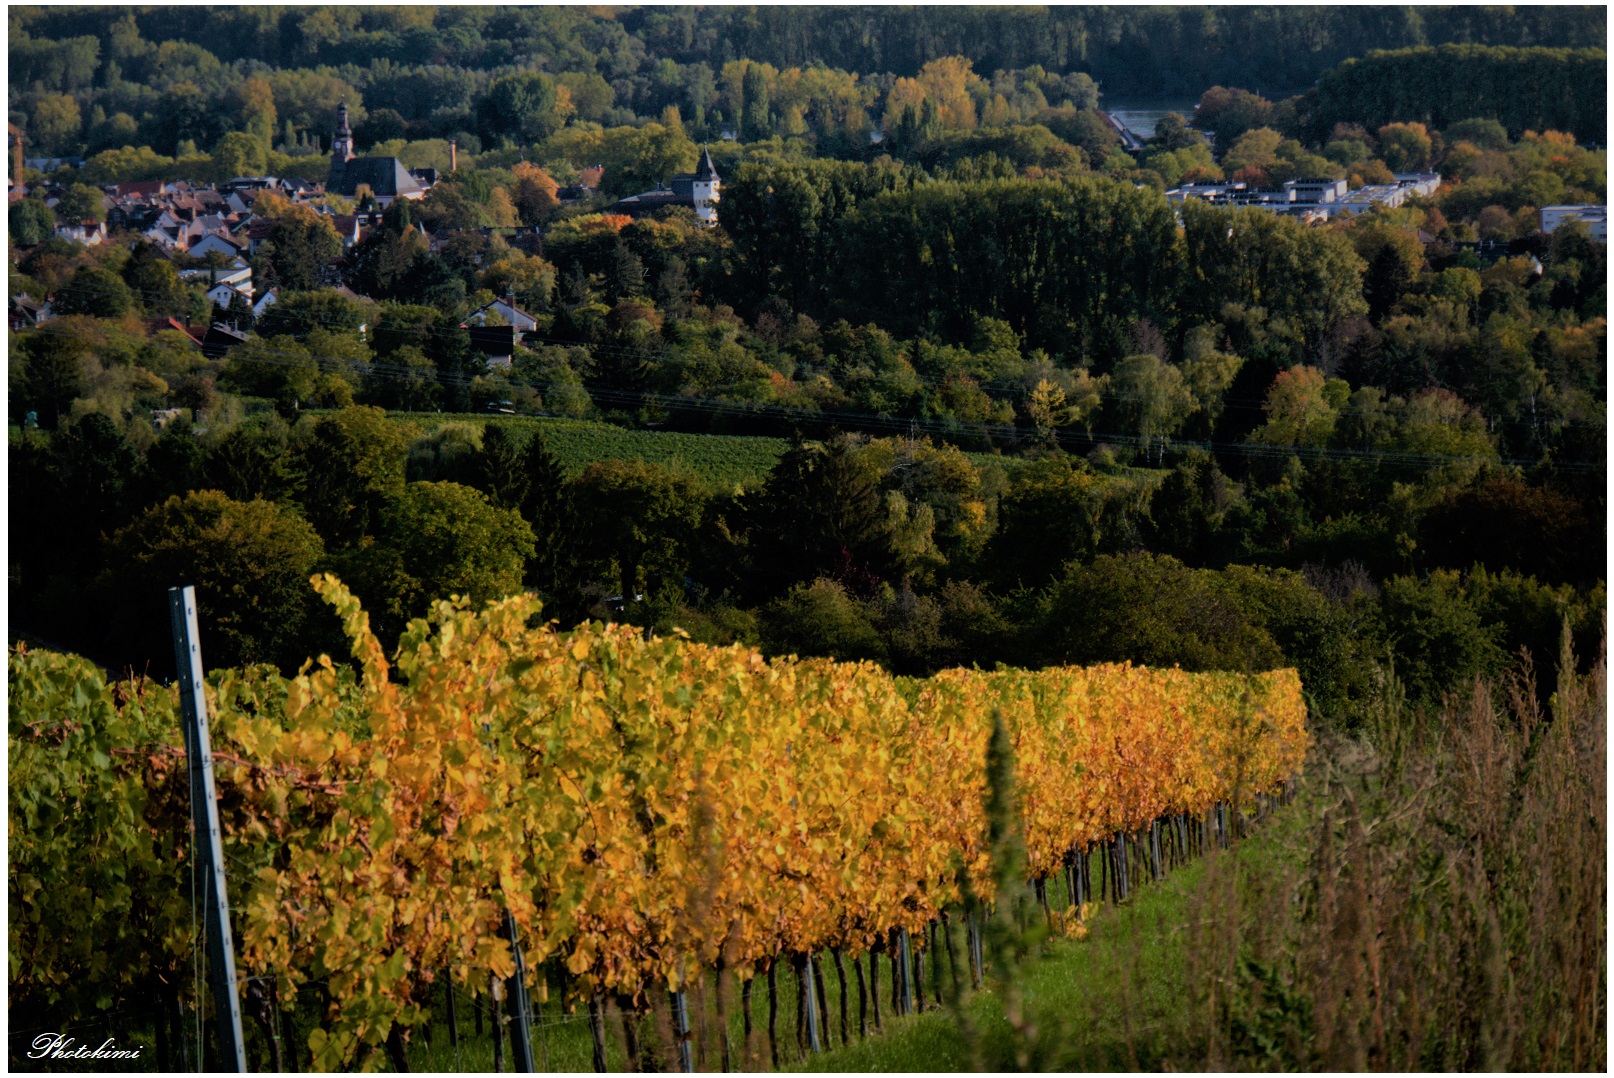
(1299, 410)
(533, 193)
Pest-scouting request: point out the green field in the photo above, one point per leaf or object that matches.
(721, 461)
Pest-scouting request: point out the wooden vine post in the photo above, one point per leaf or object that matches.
(205, 819)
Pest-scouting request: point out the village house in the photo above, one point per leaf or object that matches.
(1595, 218)
(219, 241)
(220, 339)
(499, 342)
(25, 312)
(224, 296)
(89, 233)
(586, 186)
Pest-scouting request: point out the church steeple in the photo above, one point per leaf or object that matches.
(706, 190)
(705, 171)
(342, 145)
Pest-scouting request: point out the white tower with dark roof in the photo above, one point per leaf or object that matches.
(707, 189)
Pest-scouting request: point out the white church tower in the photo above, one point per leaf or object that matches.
(707, 189)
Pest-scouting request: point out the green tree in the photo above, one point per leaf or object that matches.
(254, 460)
(153, 280)
(821, 619)
(1148, 401)
(353, 467)
(1484, 133)
(450, 454)
(754, 122)
(1298, 410)
(1257, 149)
(1304, 281)
(1405, 146)
(31, 222)
(281, 368)
(1106, 249)
(97, 292)
(435, 540)
(299, 244)
(1208, 373)
(255, 99)
(1057, 510)
(249, 562)
(240, 154)
(54, 374)
(1228, 113)
(545, 505)
(521, 107)
(81, 202)
(1387, 279)
(1187, 510)
(499, 471)
(1152, 610)
(822, 514)
(298, 314)
(638, 519)
(56, 123)
(1438, 639)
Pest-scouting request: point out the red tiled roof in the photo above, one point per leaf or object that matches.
(158, 325)
(140, 189)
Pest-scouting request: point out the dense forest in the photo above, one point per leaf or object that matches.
(1230, 438)
(1159, 51)
(93, 79)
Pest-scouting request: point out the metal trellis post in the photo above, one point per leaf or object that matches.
(521, 1030)
(205, 818)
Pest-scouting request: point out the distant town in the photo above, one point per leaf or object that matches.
(212, 230)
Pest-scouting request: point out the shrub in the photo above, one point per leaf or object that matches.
(1153, 610)
(821, 618)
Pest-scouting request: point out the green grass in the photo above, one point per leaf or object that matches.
(1112, 1001)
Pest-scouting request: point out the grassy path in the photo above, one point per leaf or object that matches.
(1113, 1001)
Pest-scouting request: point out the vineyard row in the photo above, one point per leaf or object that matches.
(644, 810)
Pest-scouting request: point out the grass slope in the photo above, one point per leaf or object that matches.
(720, 461)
